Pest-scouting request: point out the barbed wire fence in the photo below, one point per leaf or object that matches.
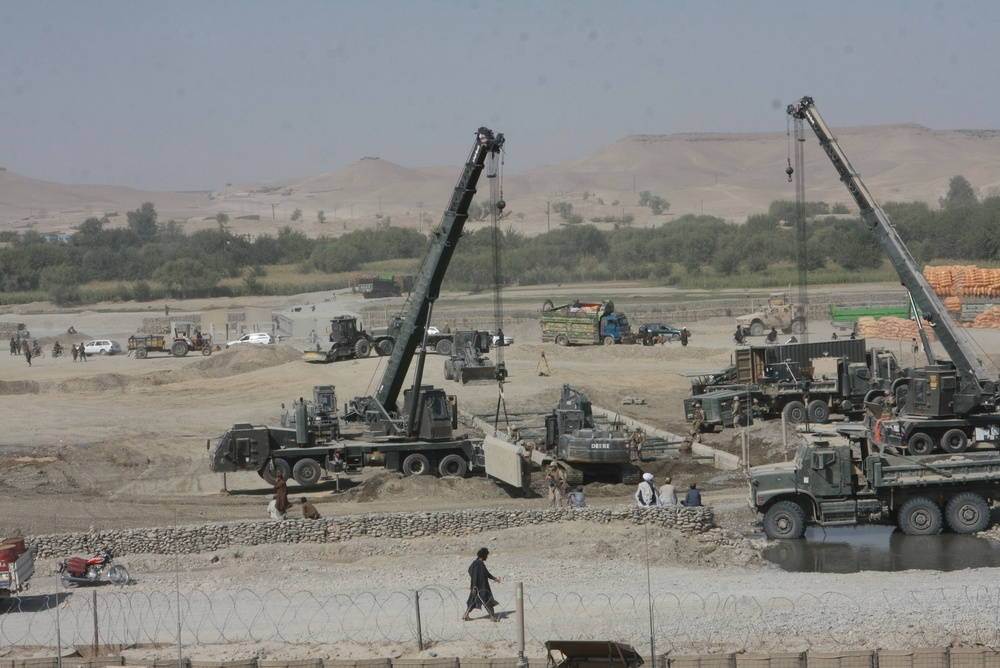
(116, 617)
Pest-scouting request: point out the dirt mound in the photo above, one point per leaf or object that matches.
(244, 359)
(19, 387)
(391, 485)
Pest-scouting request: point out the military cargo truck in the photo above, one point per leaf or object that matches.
(837, 480)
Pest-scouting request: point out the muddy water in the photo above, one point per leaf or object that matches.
(880, 548)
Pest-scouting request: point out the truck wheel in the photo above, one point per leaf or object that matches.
(449, 372)
(920, 444)
(967, 512)
(453, 466)
(307, 472)
(798, 326)
(562, 340)
(954, 441)
(547, 305)
(756, 328)
(206, 351)
(819, 412)
(609, 340)
(362, 348)
(785, 520)
(141, 353)
(443, 347)
(416, 464)
(283, 466)
(794, 412)
(385, 347)
(179, 349)
(920, 516)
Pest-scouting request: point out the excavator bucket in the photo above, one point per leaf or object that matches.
(474, 374)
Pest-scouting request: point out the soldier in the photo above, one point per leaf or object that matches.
(638, 440)
(699, 419)
(557, 484)
(736, 412)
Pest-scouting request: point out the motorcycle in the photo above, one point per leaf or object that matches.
(77, 570)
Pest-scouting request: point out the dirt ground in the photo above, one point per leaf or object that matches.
(120, 442)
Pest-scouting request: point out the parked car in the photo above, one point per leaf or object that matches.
(507, 340)
(102, 347)
(262, 338)
(671, 332)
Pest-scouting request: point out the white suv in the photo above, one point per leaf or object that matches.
(256, 337)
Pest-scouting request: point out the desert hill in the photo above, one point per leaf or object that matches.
(731, 175)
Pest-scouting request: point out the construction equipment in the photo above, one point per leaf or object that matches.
(468, 361)
(383, 285)
(581, 450)
(805, 382)
(947, 404)
(415, 438)
(584, 323)
(832, 483)
(184, 337)
(348, 340)
(779, 313)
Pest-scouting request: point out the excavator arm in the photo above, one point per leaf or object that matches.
(427, 286)
(976, 390)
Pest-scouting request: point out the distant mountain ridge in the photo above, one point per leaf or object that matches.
(730, 175)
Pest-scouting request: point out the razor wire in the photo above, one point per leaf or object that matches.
(681, 622)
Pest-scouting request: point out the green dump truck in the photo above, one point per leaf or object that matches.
(836, 480)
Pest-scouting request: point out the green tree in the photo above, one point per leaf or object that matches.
(960, 192)
(296, 215)
(321, 216)
(186, 276)
(142, 222)
(223, 220)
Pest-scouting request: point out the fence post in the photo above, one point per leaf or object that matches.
(522, 662)
(420, 635)
(96, 639)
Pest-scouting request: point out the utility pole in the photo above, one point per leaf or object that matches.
(272, 212)
(633, 183)
(548, 224)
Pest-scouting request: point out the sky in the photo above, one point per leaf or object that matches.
(192, 95)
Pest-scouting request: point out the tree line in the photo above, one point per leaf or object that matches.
(151, 259)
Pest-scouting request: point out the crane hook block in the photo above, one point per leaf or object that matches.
(501, 205)
(789, 171)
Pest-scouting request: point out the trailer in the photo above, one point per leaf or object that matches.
(17, 565)
(584, 323)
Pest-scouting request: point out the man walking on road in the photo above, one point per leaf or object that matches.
(480, 594)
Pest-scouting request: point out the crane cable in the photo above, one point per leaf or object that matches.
(495, 175)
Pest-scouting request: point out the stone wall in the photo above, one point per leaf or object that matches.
(208, 537)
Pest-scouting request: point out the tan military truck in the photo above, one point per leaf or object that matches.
(778, 313)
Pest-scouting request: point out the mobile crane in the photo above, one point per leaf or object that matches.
(415, 438)
(947, 403)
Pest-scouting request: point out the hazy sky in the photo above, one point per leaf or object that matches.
(178, 95)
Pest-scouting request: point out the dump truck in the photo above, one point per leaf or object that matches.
(836, 479)
(584, 323)
(17, 565)
(779, 313)
(805, 382)
(383, 285)
(184, 337)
